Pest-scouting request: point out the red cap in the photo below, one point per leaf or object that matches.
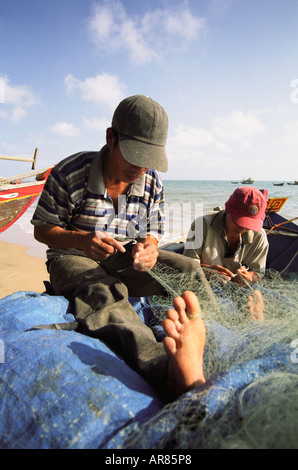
(247, 207)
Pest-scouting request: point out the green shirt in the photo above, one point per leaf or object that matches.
(207, 243)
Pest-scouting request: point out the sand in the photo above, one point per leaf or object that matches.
(20, 271)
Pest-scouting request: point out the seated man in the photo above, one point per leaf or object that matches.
(232, 242)
(93, 204)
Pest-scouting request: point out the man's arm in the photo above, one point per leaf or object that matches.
(95, 245)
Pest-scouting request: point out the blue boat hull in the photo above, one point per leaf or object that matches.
(283, 245)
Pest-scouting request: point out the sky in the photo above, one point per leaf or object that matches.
(225, 71)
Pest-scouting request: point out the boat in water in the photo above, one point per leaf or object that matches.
(18, 193)
(248, 181)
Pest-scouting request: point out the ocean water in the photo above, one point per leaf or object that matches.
(188, 199)
(185, 200)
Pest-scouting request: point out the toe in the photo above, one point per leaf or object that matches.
(192, 304)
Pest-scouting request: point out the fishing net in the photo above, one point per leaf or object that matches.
(238, 343)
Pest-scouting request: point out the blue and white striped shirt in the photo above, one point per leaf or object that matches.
(75, 198)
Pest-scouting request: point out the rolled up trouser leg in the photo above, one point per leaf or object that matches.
(101, 305)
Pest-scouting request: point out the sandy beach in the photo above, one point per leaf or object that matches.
(20, 271)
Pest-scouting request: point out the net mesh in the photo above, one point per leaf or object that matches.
(267, 407)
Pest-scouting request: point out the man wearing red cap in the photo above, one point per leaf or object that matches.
(232, 241)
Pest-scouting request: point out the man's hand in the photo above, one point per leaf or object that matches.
(96, 245)
(228, 275)
(244, 277)
(99, 246)
(145, 255)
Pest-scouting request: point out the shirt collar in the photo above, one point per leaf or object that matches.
(96, 183)
(138, 187)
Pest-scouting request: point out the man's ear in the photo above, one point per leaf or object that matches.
(110, 137)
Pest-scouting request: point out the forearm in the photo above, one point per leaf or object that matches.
(57, 237)
(95, 245)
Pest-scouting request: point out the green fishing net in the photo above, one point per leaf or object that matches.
(267, 404)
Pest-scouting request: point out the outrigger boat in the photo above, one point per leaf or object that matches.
(282, 235)
(248, 181)
(16, 196)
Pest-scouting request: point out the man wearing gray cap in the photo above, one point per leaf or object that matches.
(102, 216)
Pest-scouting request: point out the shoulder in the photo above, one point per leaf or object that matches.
(261, 236)
(153, 179)
(256, 238)
(75, 163)
(215, 219)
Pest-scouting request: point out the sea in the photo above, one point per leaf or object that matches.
(185, 200)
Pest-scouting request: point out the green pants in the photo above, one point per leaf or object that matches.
(99, 293)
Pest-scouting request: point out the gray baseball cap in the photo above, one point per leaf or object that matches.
(142, 125)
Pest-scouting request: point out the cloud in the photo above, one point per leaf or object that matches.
(15, 100)
(112, 29)
(226, 135)
(183, 24)
(290, 137)
(191, 137)
(94, 124)
(65, 129)
(102, 89)
(237, 126)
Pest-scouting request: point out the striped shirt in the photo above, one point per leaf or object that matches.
(75, 198)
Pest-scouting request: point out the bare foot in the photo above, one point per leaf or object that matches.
(256, 306)
(184, 344)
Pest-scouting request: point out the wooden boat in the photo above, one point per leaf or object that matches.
(278, 184)
(16, 196)
(248, 181)
(282, 236)
(293, 184)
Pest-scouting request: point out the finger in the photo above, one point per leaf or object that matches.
(105, 248)
(146, 263)
(104, 238)
(223, 274)
(142, 266)
(114, 243)
(227, 273)
(137, 249)
(241, 270)
(245, 275)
